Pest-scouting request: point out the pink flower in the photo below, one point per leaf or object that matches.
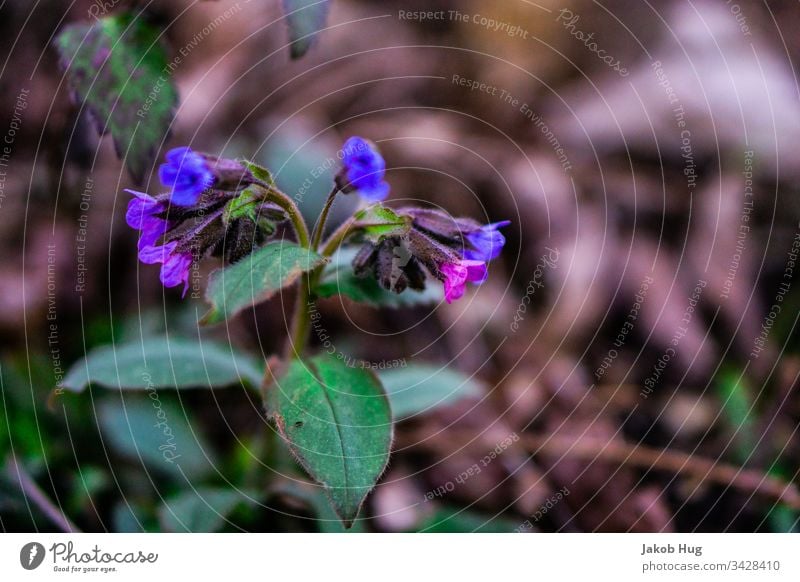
(458, 274)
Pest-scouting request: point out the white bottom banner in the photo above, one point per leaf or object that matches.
(372, 557)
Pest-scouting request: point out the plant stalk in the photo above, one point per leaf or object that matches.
(282, 200)
(316, 237)
(300, 319)
(337, 238)
(301, 322)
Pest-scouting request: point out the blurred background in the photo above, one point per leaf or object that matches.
(634, 352)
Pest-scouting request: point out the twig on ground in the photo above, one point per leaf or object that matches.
(708, 470)
(35, 494)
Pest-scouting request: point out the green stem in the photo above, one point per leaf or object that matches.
(282, 200)
(300, 319)
(330, 246)
(301, 322)
(338, 236)
(323, 218)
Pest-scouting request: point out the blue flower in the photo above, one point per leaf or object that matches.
(187, 173)
(364, 169)
(487, 242)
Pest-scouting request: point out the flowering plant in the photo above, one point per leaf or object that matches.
(335, 418)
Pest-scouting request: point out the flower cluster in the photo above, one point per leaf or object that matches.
(214, 206)
(192, 220)
(454, 250)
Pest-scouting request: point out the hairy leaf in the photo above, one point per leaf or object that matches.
(152, 430)
(256, 278)
(260, 172)
(118, 69)
(377, 222)
(337, 422)
(313, 496)
(162, 362)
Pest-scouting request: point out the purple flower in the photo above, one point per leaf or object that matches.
(458, 274)
(187, 173)
(142, 215)
(364, 170)
(487, 241)
(175, 266)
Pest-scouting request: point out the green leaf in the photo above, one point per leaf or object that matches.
(131, 517)
(377, 222)
(338, 279)
(422, 388)
(118, 69)
(260, 172)
(156, 432)
(737, 409)
(337, 422)
(243, 206)
(162, 362)
(256, 278)
(305, 18)
(204, 510)
(312, 495)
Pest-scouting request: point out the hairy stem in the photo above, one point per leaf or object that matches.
(282, 200)
(337, 238)
(329, 247)
(300, 319)
(301, 322)
(323, 219)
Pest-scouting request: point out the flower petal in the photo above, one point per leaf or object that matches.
(365, 168)
(152, 230)
(187, 174)
(176, 271)
(487, 242)
(177, 155)
(151, 254)
(376, 193)
(476, 271)
(140, 208)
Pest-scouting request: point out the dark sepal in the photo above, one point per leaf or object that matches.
(431, 253)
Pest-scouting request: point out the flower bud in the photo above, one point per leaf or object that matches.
(363, 170)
